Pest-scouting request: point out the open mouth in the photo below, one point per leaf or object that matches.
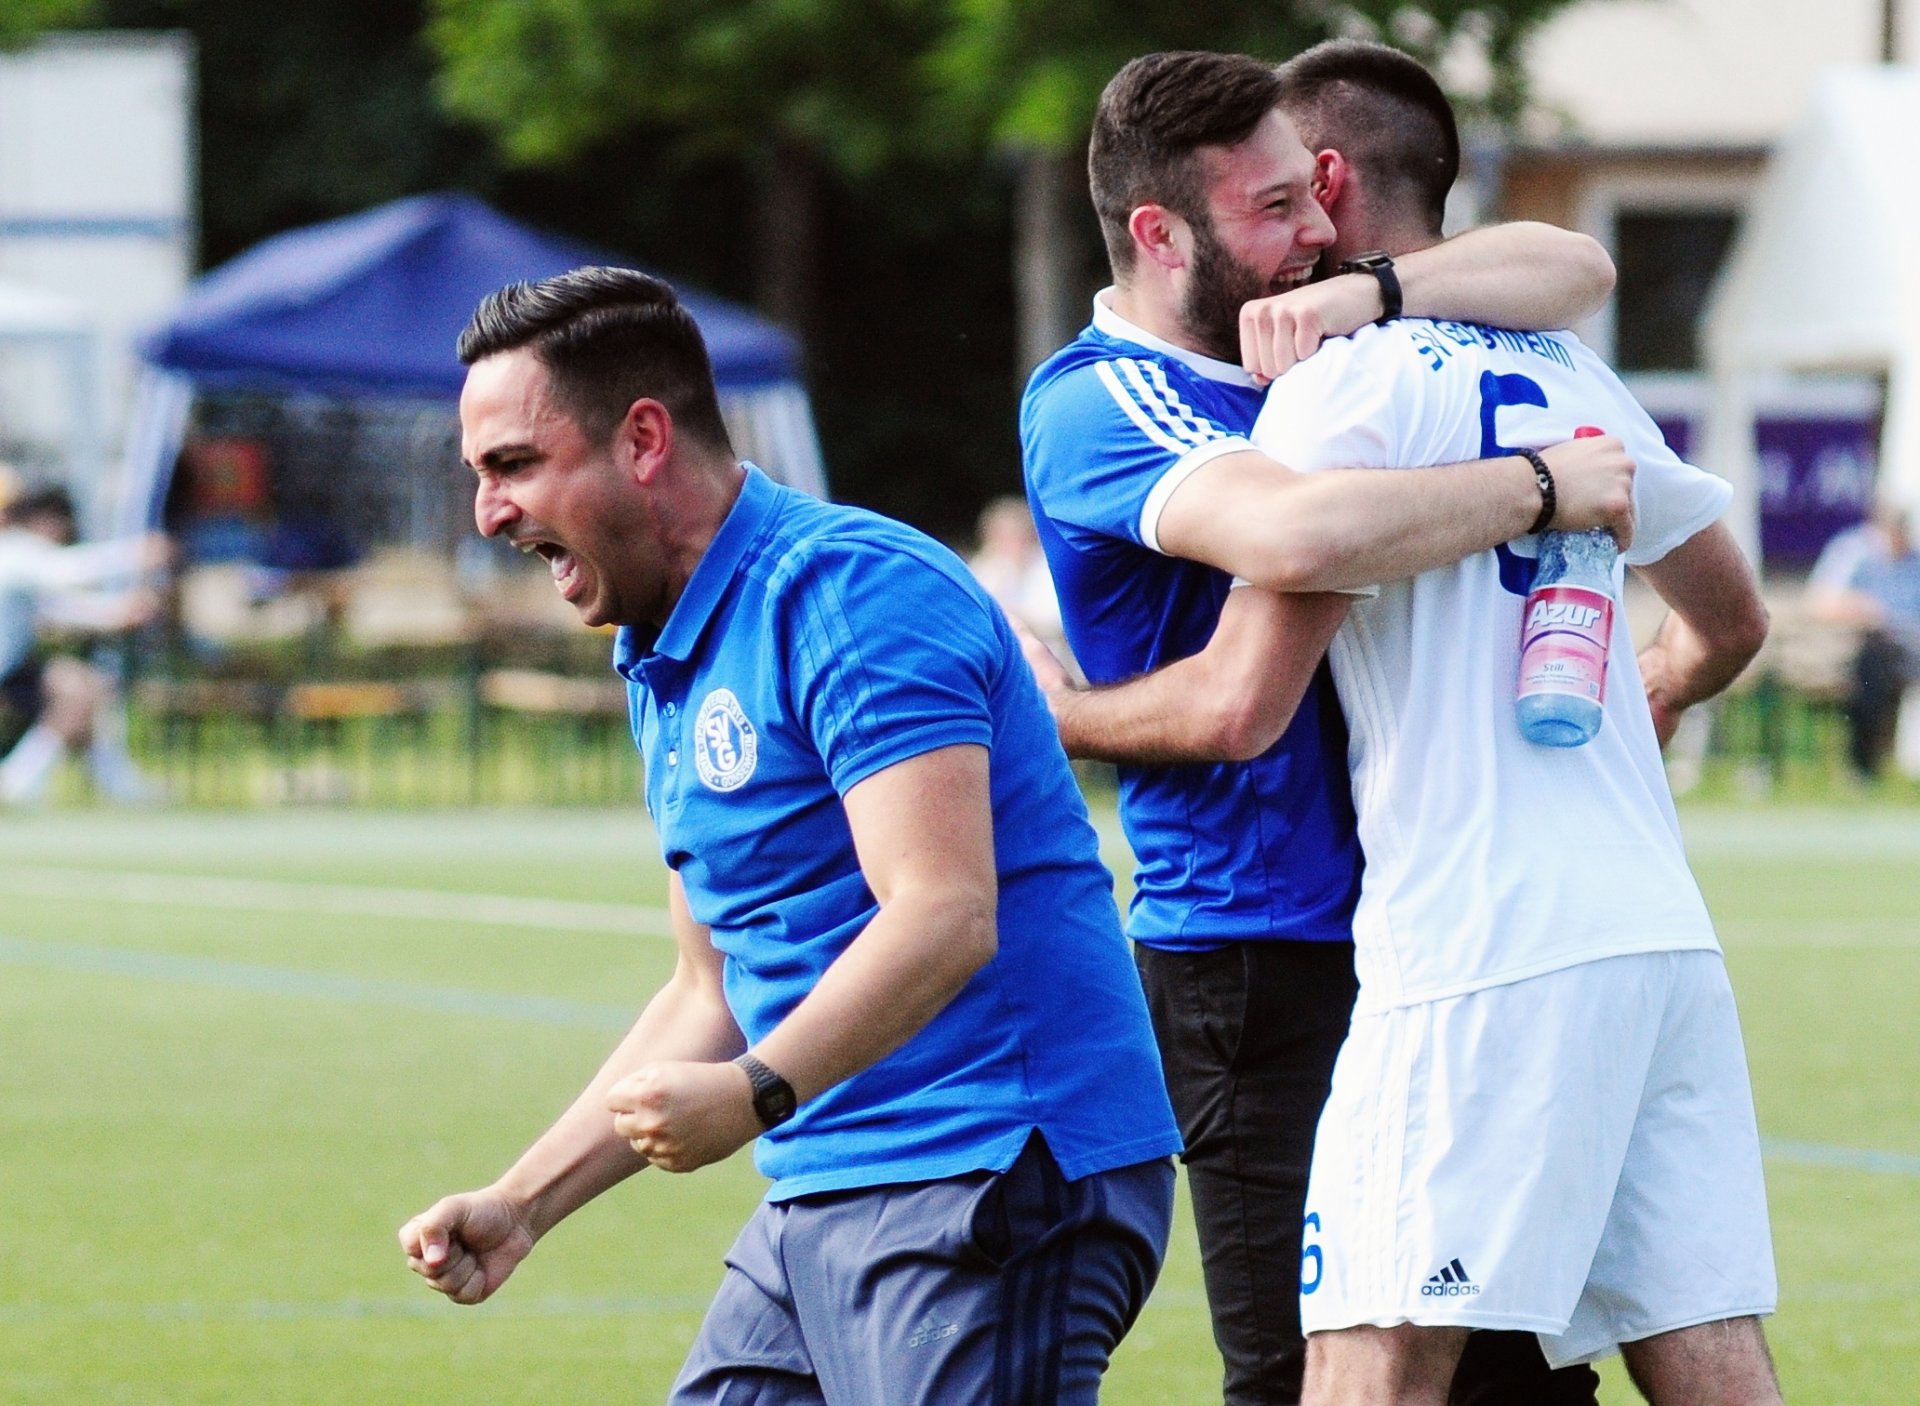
(561, 562)
(1289, 279)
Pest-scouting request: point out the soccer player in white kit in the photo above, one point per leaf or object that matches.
(1542, 1118)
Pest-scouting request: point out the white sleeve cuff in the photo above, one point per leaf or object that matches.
(1183, 469)
(1357, 592)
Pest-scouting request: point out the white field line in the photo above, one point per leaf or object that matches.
(338, 900)
(318, 985)
(1806, 835)
(618, 1306)
(1887, 933)
(424, 1305)
(570, 915)
(612, 1306)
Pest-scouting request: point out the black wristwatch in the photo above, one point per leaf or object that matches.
(1378, 263)
(773, 1099)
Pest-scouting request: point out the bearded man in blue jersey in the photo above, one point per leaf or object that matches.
(1630, 1209)
(889, 907)
(1150, 502)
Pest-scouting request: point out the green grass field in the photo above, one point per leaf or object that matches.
(236, 1050)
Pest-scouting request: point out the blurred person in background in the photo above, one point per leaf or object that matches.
(1010, 566)
(51, 703)
(1868, 577)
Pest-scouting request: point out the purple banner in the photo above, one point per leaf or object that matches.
(1816, 477)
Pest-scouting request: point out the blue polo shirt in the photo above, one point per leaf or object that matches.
(1228, 851)
(814, 646)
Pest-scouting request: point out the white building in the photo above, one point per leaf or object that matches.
(96, 200)
(1655, 116)
(1654, 121)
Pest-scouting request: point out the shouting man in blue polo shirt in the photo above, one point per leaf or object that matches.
(890, 912)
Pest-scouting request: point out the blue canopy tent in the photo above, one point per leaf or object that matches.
(370, 306)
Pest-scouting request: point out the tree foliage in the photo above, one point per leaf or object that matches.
(735, 77)
(865, 82)
(657, 129)
(1027, 73)
(22, 20)
(307, 111)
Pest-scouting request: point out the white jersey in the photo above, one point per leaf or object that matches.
(41, 580)
(1490, 859)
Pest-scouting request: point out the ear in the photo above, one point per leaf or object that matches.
(644, 441)
(1330, 175)
(1159, 235)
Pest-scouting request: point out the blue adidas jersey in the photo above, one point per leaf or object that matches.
(816, 645)
(1109, 427)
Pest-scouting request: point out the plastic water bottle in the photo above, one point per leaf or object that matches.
(1564, 633)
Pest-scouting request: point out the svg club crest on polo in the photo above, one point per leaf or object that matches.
(725, 745)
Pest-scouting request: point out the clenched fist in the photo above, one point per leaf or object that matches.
(681, 1115)
(466, 1245)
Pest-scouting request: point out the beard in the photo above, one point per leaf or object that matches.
(1217, 288)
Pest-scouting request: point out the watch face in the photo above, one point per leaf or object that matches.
(775, 1105)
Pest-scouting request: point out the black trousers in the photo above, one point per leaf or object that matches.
(22, 696)
(1248, 1034)
(1884, 667)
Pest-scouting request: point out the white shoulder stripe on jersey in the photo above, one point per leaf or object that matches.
(1154, 408)
(1158, 394)
(1131, 408)
(1160, 399)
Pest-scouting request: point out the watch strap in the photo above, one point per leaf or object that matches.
(773, 1097)
(1380, 264)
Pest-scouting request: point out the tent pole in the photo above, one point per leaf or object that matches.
(1899, 448)
(87, 466)
(1727, 448)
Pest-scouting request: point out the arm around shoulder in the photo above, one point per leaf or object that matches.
(1345, 529)
(1524, 275)
(1228, 703)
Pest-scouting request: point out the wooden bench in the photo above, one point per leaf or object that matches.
(1790, 703)
(207, 729)
(554, 695)
(565, 736)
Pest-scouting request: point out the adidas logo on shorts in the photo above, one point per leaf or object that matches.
(929, 1331)
(1450, 1283)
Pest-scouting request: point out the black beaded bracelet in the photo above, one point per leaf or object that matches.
(1549, 499)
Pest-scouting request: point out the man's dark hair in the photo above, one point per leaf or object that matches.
(48, 501)
(608, 337)
(1152, 117)
(1385, 113)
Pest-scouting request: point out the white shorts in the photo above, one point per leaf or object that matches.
(1574, 1154)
